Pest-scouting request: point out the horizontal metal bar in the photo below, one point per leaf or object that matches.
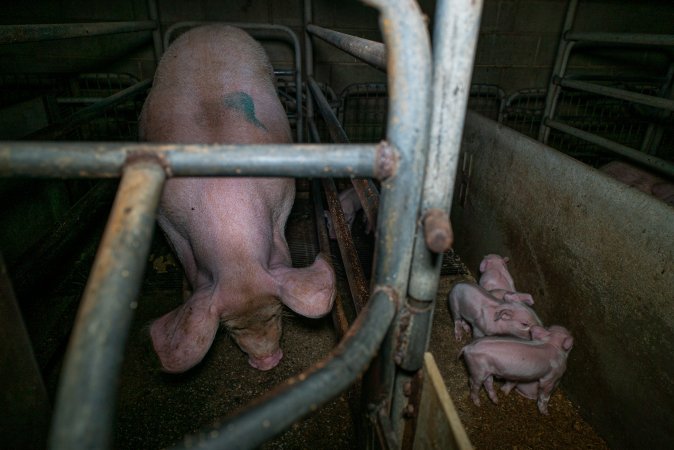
(86, 114)
(622, 94)
(106, 160)
(45, 32)
(621, 38)
(371, 52)
(87, 390)
(302, 394)
(635, 155)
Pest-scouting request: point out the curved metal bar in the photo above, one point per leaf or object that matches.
(86, 398)
(258, 30)
(96, 159)
(10, 34)
(371, 52)
(300, 395)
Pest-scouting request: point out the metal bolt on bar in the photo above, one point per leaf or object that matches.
(86, 397)
(300, 395)
(10, 34)
(371, 52)
(97, 159)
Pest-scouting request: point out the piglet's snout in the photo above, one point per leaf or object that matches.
(266, 362)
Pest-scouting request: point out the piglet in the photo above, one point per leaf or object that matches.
(638, 178)
(472, 305)
(495, 274)
(350, 202)
(537, 365)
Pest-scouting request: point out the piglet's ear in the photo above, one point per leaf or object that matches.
(483, 265)
(503, 314)
(539, 333)
(519, 297)
(567, 344)
(506, 259)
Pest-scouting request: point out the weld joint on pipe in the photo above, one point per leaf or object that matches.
(139, 157)
(387, 161)
(390, 293)
(438, 233)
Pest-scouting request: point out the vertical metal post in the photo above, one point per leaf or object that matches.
(156, 33)
(561, 62)
(408, 68)
(86, 398)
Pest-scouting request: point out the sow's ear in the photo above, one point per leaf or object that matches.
(503, 314)
(309, 291)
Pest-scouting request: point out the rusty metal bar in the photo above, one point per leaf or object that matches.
(368, 194)
(339, 318)
(84, 115)
(10, 34)
(298, 396)
(354, 271)
(262, 31)
(96, 159)
(371, 52)
(24, 400)
(87, 390)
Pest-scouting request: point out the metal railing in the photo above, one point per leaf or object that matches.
(393, 325)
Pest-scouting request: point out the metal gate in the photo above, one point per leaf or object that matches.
(415, 166)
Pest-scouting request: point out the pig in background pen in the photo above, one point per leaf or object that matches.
(532, 362)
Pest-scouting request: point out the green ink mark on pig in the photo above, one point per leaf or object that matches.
(242, 102)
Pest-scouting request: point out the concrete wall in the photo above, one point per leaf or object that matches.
(598, 258)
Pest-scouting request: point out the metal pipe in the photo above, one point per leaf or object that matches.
(561, 60)
(622, 94)
(366, 190)
(339, 318)
(86, 397)
(298, 396)
(153, 11)
(652, 162)
(262, 31)
(308, 58)
(620, 38)
(352, 267)
(371, 52)
(455, 39)
(96, 160)
(10, 34)
(25, 422)
(84, 115)
(408, 68)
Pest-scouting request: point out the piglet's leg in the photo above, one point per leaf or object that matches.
(489, 386)
(475, 386)
(182, 337)
(309, 291)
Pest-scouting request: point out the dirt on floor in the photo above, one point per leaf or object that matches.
(155, 410)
